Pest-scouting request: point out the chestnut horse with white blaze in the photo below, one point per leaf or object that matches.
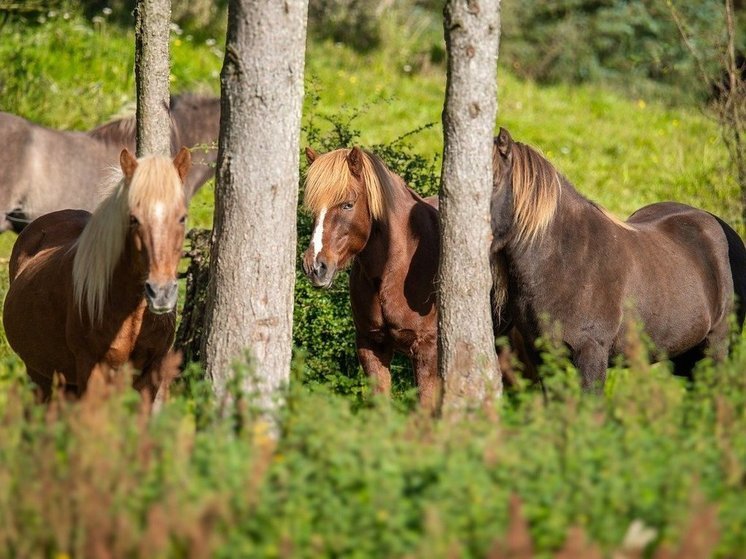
(99, 290)
(365, 214)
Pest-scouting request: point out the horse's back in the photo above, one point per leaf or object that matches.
(51, 231)
(43, 170)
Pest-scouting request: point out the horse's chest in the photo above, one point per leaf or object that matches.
(132, 341)
(400, 325)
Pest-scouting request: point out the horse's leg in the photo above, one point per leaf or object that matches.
(717, 341)
(84, 366)
(429, 384)
(146, 382)
(43, 385)
(683, 364)
(591, 359)
(375, 358)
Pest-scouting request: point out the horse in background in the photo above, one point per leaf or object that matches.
(365, 214)
(95, 291)
(43, 170)
(563, 260)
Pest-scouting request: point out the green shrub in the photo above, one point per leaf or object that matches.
(621, 42)
(202, 479)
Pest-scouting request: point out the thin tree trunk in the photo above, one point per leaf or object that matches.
(152, 67)
(734, 107)
(252, 266)
(467, 360)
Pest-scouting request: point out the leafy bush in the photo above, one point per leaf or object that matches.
(203, 479)
(611, 40)
(355, 22)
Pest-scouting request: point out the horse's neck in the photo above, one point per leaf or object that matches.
(571, 238)
(392, 241)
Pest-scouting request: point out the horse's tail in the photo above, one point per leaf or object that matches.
(737, 258)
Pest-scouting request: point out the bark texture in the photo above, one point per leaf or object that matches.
(191, 326)
(152, 68)
(252, 266)
(466, 349)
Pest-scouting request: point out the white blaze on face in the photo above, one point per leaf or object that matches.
(157, 220)
(318, 234)
(159, 211)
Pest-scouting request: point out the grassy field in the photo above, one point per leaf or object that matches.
(351, 477)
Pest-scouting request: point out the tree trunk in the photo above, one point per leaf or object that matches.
(466, 349)
(253, 255)
(152, 68)
(191, 326)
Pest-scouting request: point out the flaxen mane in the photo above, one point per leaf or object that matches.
(101, 243)
(537, 188)
(329, 180)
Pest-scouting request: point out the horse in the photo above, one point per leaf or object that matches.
(95, 291)
(365, 214)
(564, 261)
(43, 170)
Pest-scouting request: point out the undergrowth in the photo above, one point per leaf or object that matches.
(203, 478)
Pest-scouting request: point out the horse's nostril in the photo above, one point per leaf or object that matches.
(149, 291)
(322, 267)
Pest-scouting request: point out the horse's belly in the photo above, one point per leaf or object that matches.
(675, 327)
(34, 323)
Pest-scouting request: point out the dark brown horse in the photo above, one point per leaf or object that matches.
(564, 261)
(44, 170)
(99, 290)
(366, 215)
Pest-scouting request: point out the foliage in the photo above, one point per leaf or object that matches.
(355, 22)
(609, 40)
(79, 478)
(409, 31)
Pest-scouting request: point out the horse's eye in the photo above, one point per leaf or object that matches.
(347, 205)
(133, 220)
(182, 220)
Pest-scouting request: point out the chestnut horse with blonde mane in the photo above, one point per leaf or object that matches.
(365, 214)
(564, 261)
(99, 290)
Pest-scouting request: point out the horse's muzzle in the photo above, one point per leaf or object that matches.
(320, 274)
(161, 297)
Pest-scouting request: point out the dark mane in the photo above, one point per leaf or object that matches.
(121, 131)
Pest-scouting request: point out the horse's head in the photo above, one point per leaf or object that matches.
(501, 203)
(525, 192)
(338, 193)
(157, 217)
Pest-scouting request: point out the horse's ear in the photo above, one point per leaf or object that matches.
(128, 162)
(503, 142)
(183, 162)
(311, 155)
(355, 161)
